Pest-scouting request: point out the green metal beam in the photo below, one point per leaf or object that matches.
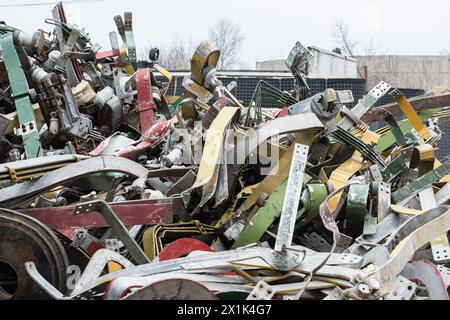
(20, 93)
(265, 216)
(388, 139)
(422, 182)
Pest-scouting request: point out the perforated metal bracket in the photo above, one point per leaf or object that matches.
(292, 197)
(364, 105)
(379, 90)
(384, 200)
(343, 243)
(404, 289)
(440, 248)
(262, 291)
(317, 242)
(445, 273)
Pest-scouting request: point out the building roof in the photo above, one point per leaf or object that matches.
(331, 53)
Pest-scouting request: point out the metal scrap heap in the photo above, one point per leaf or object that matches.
(112, 189)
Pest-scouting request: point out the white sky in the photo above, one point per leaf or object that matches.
(271, 27)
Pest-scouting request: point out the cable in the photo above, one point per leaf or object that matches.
(50, 2)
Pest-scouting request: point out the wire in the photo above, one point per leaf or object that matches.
(48, 3)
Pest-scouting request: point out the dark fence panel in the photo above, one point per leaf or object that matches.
(246, 86)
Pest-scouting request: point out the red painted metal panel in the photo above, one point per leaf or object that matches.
(66, 221)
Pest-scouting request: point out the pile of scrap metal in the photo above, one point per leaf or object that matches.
(111, 189)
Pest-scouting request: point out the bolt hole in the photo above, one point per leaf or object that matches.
(8, 281)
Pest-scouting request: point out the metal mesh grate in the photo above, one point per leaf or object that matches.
(247, 85)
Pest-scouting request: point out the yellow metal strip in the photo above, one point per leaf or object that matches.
(113, 266)
(407, 211)
(412, 116)
(278, 174)
(213, 147)
(148, 242)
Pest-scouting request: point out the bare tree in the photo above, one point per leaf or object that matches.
(228, 37)
(343, 39)
(410, 72)
(372, 48)
(351, 47)
(445, 51)
(175, 56)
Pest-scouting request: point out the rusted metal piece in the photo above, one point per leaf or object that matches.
(137, 212)
(425, 273)
(150, 137)
(173, 289)
(117, 227)
(24, 239)
(419, 103)
(212, 113)
(144, 104)
(133, 151)
(129, 226)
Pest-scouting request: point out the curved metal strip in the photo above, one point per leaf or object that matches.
(416, 239)
(294, 123)
(427, 275)
(17, 194)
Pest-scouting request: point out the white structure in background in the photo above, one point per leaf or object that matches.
(415, 72)
(271, 65)
(326, 64)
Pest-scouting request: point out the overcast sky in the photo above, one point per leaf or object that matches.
(271, 27)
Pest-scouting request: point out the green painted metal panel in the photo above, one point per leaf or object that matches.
(20, 94)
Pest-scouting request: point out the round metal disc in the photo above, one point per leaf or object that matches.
(182, 247)
(173, 289)
(24, 239)
(426, 274)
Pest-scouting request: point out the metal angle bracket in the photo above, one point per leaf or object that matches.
(383, 191)
(292, 197)
(118, 227)
(445, 273)
(440, 247)
(368, 101)
(131, 46)
(67, 49)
